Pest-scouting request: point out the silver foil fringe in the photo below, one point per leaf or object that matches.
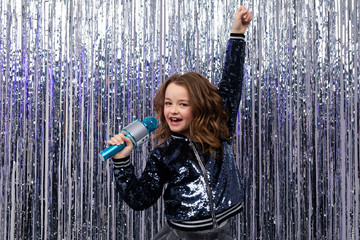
(73, 72)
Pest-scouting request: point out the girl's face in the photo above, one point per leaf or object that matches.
(177, 109)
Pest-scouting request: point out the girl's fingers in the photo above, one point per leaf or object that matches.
(128, 142)
(243, 14)
(247, 17)
(117, 140)
(126, 139)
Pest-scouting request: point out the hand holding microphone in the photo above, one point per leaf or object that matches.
(134, 134)
(118, 140)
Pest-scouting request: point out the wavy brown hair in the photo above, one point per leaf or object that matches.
(209, 125)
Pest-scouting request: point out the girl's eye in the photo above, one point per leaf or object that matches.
(168, 103)
(183, 104)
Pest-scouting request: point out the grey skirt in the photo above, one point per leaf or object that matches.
(169, 233)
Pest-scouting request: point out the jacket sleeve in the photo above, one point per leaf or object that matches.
(230, 86)
(139, 193)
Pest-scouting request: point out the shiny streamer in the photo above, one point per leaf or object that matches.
(74, 72)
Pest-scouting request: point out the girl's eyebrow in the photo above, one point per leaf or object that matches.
(179, 100)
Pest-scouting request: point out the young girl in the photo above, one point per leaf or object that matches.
(194, 156)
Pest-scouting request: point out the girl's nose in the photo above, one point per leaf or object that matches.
(174, 109)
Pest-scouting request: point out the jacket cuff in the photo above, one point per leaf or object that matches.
(122, 162)
(239, 36)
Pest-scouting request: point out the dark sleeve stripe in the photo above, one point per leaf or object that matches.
(204, 224)
(239, 38)
(121, 164)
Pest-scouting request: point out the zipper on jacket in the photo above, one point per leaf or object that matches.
(215, 225)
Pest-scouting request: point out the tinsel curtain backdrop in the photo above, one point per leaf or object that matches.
(73, 72)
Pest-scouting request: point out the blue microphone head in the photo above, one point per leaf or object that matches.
(150, 123)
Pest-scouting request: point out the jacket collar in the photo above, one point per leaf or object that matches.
(179, 136)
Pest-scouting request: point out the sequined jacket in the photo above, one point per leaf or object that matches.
(201, 192)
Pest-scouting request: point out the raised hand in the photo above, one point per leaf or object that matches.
(242, 19)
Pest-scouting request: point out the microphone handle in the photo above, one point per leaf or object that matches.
(110, 151)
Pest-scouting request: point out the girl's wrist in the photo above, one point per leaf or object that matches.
(241, 30)
(120, 159)
(238, 31)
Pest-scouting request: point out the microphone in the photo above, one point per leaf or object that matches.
(137, 131)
